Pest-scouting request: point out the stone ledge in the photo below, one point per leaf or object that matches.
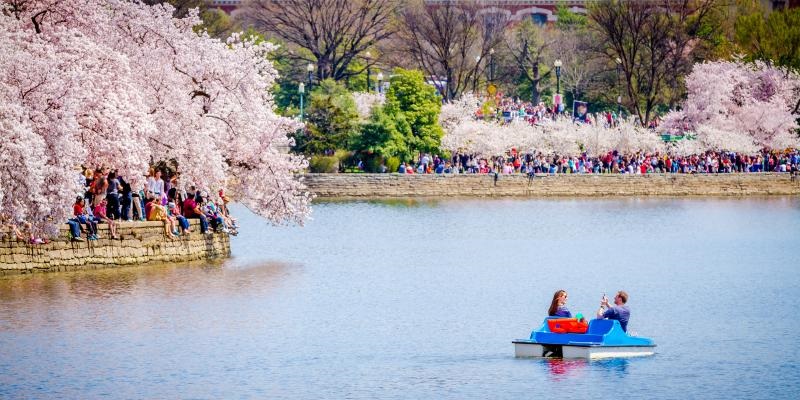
(140, 243)
(592, 185)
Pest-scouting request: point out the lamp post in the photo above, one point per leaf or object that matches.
(380, 81)
(310, 69)
(558, 76)
(491, 65)
(367, 56)
(302, 90)
(477, 73)
(619, 94)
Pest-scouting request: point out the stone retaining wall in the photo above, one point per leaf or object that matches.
(591, 185)
(139, 243)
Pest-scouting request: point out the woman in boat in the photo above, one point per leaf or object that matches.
(558, 306)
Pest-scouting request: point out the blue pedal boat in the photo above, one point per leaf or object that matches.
(604, 339)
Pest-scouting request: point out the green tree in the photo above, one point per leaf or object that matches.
(217, 23)
(410, 99)
(773, 38)
(383, 135)
(332, 119)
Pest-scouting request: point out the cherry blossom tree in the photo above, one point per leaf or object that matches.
(466, 134)
(366, 101)
(122, 84)
(736, 106)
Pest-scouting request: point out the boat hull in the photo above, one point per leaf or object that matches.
(524, 348)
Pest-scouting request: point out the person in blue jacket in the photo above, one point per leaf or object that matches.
(619, 311)
(558, 306)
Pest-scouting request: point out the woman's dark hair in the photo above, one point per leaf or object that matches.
(554, 304)
(112, 175)
(171, 193)
(78, 199)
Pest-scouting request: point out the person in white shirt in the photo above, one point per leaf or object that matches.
(155, 185)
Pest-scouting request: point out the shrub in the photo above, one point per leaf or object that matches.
(392, 164)
(323, 164)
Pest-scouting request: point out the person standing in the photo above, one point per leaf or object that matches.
(126, 198)
(619, 311)
(112, 196)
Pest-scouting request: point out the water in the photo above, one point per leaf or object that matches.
(421, 300)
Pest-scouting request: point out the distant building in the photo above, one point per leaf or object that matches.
(225, 5)
(539, 11)
(780, 4)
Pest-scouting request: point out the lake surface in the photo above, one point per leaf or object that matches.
(421, 300)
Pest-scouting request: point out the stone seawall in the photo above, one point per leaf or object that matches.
(139, 243)
(472, 185)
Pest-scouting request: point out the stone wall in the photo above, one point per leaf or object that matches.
(139, 243)
(590, 185)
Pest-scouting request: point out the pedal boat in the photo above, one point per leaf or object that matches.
(603, 339)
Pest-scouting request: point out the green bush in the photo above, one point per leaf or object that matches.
(345, 159)
(392, 164)
(323, 164)
(372, 163)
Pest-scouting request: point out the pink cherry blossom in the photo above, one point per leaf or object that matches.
(121, 84)
(736, 106)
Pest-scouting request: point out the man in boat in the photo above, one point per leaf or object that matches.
(619, 311)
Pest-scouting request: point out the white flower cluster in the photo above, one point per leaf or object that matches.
(123, 84)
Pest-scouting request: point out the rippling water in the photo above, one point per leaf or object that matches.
(421, 300)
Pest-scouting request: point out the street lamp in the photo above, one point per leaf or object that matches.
(380, 80)
(477, 73)
(491, 65)
(619, 95)
(310, 69)
(367, 56)
(558, 76)
(302, 90)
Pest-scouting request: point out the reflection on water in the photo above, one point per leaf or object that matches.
(38, 294)
(421, 299)
(559, 369)
(617, 366)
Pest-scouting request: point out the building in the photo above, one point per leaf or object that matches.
(225, 5)
(540, 11)
(780, 4)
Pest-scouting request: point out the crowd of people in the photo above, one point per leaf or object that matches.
(509, 109)
(109, 198)
(710, 162)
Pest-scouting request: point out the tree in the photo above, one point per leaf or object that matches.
(773, 38)
(582, 71)
(332, 119)
(181, 8)
(411, 99)
(527, 44)
(654, 46)
(217, 23)
(449, 40)
(174, 95)
(738, 106)
(383, 135)
(334, 32)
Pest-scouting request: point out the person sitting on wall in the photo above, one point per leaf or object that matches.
(191, 209)
(80, 214)
(157, 212)
(100, 214)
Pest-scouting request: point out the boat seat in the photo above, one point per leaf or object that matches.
(600, 326)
